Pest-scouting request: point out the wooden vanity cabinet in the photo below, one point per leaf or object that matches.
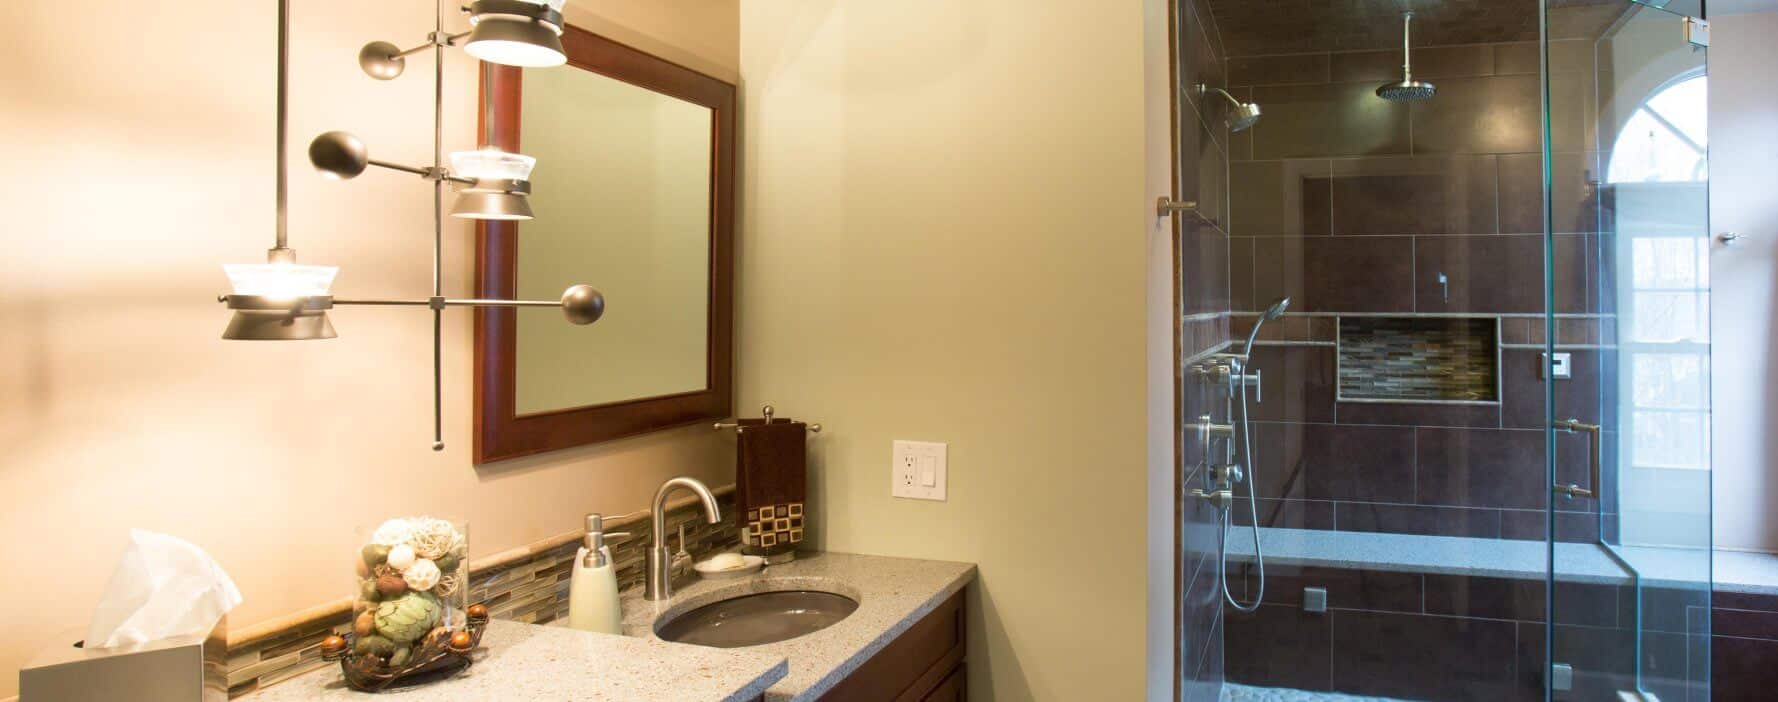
(924, 664)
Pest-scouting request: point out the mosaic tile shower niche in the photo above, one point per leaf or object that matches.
(1419, 359)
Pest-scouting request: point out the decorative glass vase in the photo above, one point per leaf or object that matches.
(410, 605)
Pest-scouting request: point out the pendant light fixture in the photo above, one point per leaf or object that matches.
(280, 300)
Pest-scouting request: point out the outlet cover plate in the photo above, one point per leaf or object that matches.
(917, 470)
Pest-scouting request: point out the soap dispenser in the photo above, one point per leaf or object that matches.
(592, 593)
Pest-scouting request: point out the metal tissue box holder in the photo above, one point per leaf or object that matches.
(179, 669)
(438, 656)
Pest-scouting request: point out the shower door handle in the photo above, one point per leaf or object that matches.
(1595, 447)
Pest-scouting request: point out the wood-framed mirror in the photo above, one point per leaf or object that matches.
(634, 193)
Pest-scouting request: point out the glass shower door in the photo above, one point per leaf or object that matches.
(1627, 335)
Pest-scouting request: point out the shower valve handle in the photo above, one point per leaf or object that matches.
(1221, 498)
(1252, 380)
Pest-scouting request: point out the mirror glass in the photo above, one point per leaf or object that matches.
(622, 196)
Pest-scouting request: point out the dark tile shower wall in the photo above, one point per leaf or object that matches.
(1203, 280)
(1457, 637)
(1360, 208)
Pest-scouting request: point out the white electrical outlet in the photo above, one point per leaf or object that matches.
(918, 470)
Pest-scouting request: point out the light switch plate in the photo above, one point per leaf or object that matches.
(917, 470)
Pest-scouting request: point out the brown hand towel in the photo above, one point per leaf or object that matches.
(771, 483)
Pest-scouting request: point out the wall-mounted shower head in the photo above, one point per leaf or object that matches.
(1244, 114)
(1408, 89)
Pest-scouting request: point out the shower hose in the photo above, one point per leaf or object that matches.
(1222, 549)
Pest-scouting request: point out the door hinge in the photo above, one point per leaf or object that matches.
(1697, 31)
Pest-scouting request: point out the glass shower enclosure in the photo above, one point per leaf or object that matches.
(1444, 350)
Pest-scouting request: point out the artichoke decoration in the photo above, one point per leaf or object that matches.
(408, 617)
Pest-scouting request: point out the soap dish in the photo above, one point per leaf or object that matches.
(749, 565)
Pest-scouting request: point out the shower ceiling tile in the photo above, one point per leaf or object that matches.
(1304, 26)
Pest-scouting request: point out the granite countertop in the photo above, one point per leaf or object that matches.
(892, 594)
(529, 662)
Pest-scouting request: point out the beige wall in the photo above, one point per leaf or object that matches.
(148, 134)
(1163, 355)
(1743, 318)
(944, 239)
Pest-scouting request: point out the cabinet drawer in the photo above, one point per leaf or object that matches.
(920, 662)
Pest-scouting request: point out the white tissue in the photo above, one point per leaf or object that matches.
(163, 587)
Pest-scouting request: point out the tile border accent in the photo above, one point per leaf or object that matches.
(526, 584)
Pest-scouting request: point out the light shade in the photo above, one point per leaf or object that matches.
(279, 302)
(501, 186)
(522, 43)
(284, 281)
(492, 163)
(480, 203)
(516, 33)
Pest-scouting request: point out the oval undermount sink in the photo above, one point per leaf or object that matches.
(752, 620)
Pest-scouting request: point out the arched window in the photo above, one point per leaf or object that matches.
(1658, 176)
(1665, 140)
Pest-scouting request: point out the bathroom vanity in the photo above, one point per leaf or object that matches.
(905, 641)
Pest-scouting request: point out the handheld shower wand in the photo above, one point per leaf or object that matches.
(1272, 313)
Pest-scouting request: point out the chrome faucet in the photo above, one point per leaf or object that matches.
(659, 584)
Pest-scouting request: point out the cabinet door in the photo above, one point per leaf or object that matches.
(953, 689)
(914, 664)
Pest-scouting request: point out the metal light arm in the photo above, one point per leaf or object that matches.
(442, 302)
(427, 173)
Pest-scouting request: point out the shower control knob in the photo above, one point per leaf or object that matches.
(1221, 498)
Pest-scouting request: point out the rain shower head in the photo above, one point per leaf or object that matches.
(1244, 114)
(1408, 89)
